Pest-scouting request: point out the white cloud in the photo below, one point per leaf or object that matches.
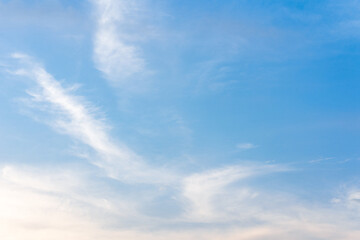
(321, 159)
(114, 54)
(52, 206)
(245, 146)
(349, 198)
(74, 117)
(355, 197)
(202, 190)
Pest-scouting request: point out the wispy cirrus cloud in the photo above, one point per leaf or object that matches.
(76, 118)
(201, 189)
(114, 53)
(205, 190)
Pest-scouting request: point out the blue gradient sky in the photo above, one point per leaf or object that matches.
(153, 119)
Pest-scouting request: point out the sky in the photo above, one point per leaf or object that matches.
(199, 120)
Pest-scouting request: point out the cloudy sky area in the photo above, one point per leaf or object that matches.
(199, 120)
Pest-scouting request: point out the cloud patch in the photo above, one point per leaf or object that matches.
(246, 146)
(114, 53)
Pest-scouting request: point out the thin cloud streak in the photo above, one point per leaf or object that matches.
(76, 119)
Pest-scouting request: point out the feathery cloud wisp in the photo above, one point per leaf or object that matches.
(75, 118)
(202, 189)
(113, 55)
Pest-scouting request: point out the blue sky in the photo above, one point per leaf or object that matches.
(152, 119)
